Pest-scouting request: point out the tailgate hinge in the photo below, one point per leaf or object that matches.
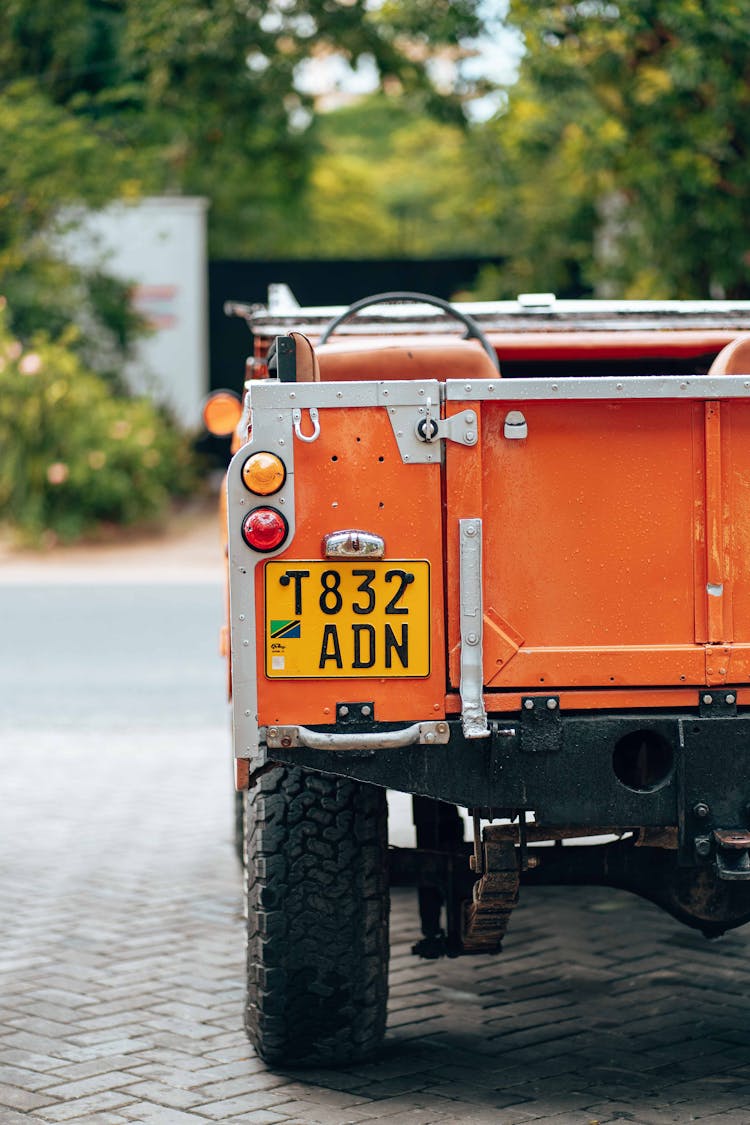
(473, 714)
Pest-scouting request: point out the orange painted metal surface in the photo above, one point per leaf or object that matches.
(616, 545)
(353, 477)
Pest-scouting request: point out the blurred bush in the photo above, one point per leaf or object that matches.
(75, 455)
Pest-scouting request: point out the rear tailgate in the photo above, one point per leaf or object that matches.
(616, 535)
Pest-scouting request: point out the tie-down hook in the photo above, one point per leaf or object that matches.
(297, 420)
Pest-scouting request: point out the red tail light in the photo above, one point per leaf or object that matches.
(264, 529)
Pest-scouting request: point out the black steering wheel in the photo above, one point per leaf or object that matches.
(473, 331)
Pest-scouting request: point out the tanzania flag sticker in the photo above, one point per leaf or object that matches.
(286, 630)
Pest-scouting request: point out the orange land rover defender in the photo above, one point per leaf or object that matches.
(506, 570)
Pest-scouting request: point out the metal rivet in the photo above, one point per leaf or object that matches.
(242, 617)
(247, 714)
(467, 387)
(273, 732)
(292, 394)
(552, 704)
(246, 643)
(708, 699)
(471, 437)
(683, 386)
(618, 387)
(343, 710)
(471, 529)
(528, 704)
(701, 809)
(429, 737)
(731, 697)
(471, 638)
(366, 710)
(441, 728)
(470, 416)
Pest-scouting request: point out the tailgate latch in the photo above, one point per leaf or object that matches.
(461, 428)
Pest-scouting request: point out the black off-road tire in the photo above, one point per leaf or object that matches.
(317, 918)
(238, 825)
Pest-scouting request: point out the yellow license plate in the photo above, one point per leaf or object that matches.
(347, 619)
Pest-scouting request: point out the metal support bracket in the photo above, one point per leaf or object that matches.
(732, 854)
(473, 714)
(281, 359)
(541, 724)
(717, 704)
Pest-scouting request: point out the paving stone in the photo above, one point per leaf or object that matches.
(16, 1097)
(149, 1113)
(79, 1107)
(121, 990)
(260, 1117)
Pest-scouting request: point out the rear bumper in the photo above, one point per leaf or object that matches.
(626, 769)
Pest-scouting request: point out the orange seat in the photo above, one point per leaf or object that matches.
(406, 357)
(411, 357)
(734, 359)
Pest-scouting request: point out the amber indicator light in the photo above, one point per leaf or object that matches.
(263, 473)
(221, 413)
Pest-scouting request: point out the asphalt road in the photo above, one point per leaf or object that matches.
(96, 656)
(121, 932)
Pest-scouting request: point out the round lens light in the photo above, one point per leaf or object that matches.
(263, 473)
(264, 529)
(221, 413)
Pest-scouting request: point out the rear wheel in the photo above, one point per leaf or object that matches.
(317, 917)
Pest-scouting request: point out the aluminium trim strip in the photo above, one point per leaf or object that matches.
(625, 387)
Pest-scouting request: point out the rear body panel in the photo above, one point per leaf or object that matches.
(616, 542)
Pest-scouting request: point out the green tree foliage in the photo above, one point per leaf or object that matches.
(74, 457)
(201, 97)
(626, 145)
(388, 181)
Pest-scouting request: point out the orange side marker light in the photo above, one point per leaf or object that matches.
(221, 412)
(263, 473)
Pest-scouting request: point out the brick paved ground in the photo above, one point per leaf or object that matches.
(121, 955)
(121, 931)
